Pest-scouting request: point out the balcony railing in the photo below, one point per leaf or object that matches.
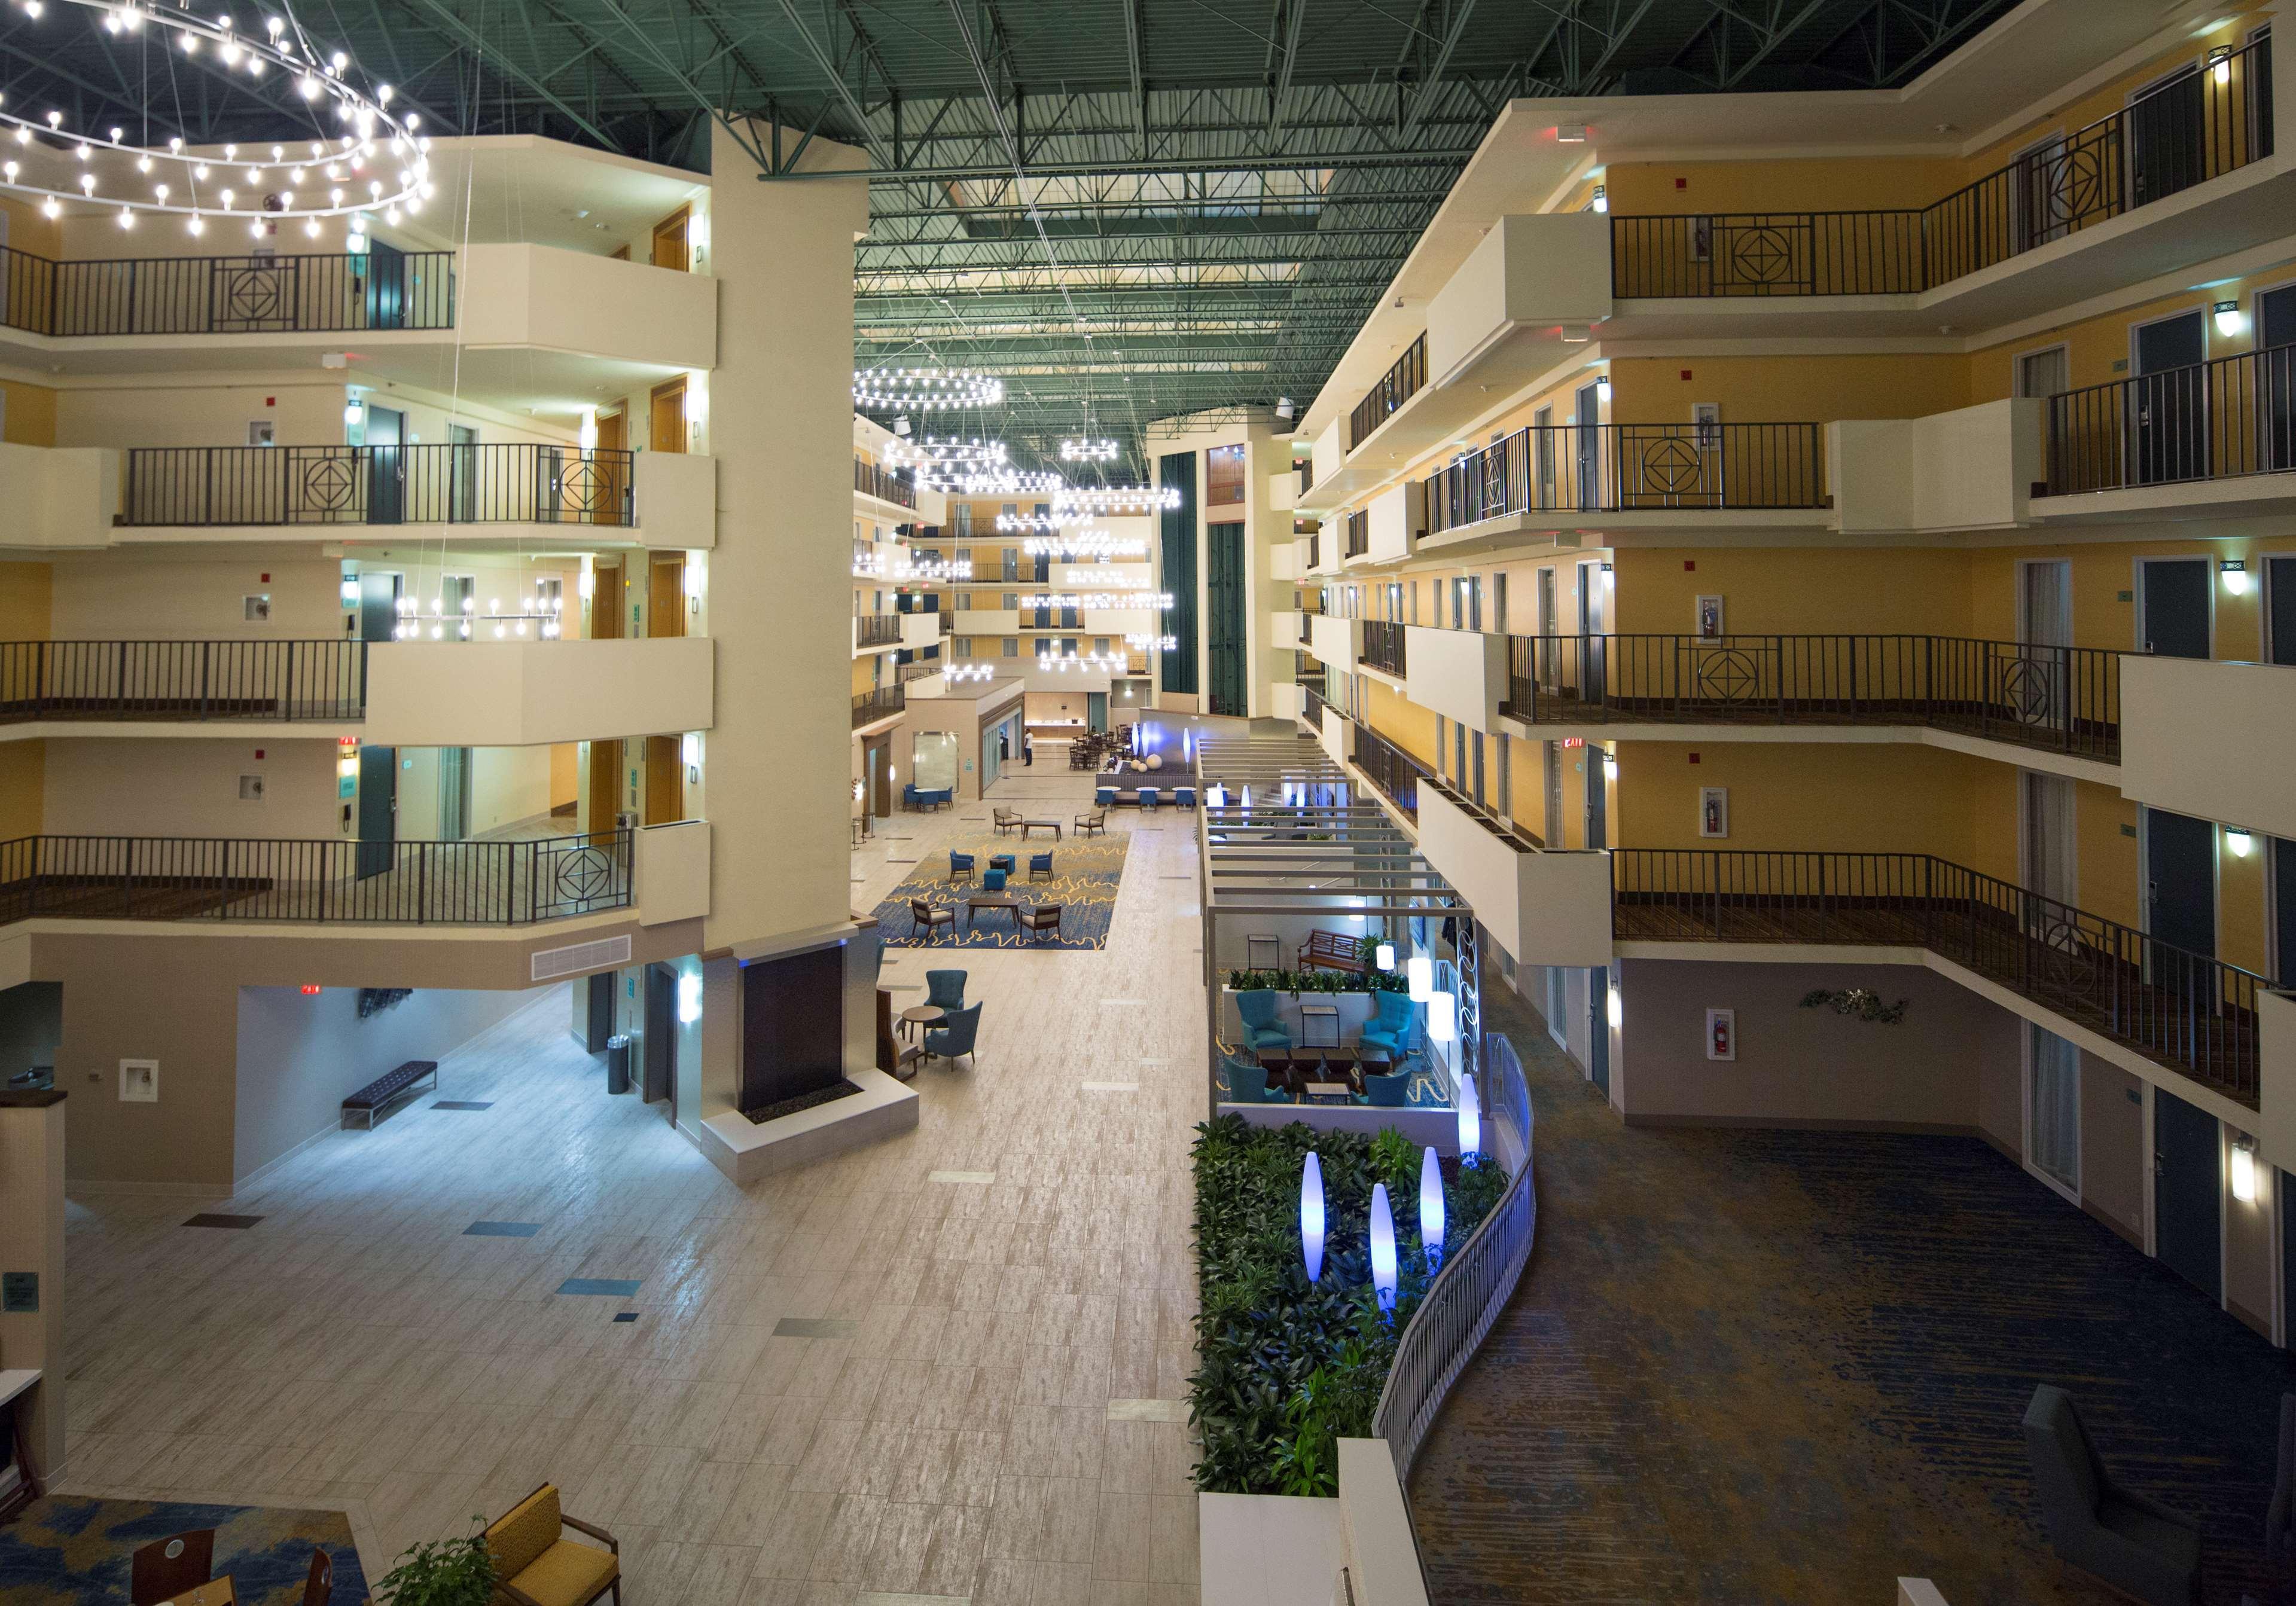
(1396, 387)
(2221, 420)
(329, 881)
(2066, 699)
(151, 680)
(2198, 127)
(1314, 548)
(881, 702)
(1393, 770)
(1307, 628)
(1358, 533)
(262, 293)
(1312, 706)
(1382, 645)
(493, 482)
(876, 629)
(871, 481)
(2186, 1010)
(1632, 468)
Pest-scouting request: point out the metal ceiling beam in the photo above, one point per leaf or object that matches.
(1136, 51)
(1619, 35)
(1462, 13)
(505, 67)
(1286, 45)
(1776, 34)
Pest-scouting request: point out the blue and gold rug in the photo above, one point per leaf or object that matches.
(1086, 872)
(70, 1550)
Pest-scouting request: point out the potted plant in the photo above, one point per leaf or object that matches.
(441, 1572)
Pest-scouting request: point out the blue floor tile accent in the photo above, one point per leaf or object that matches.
(502, 1229)
(614, 1286)
(463, 1104)
(626, 1315)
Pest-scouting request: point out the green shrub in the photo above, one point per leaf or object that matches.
(1317, 981)
(1286, 1368)
(442, 1572)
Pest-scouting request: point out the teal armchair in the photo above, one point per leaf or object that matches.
(956, 1038)
(1389, 1091)
(1261, 1028)
(1389, 1026)
(945, 989)
(1248, 1085)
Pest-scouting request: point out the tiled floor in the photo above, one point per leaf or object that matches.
(1014, 1275)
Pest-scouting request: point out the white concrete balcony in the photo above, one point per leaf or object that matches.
(1396, 520)
(2211, 739)
(1544, 908)
(1287, 700)
(919, 630)
(987, 621)
(670, 879)
(523, 693)
(1973, 467)
(1461, 675)
(1283, 489)
(1337, 644)
(1288, 629)
(1287, 560)
(60, 496)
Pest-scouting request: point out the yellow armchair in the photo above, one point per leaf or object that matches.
(536, 1565)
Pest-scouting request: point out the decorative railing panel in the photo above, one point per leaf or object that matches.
(1358, 533)
(183, 680)
(260, 293)
(325, 882)
(1631, 468)
(2186, 1010)
(2063, 698)
(492, 482)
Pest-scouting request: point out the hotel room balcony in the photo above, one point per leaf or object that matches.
(2234, 717)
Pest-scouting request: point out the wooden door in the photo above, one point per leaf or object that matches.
(668, 416)
(669, 240)
(605, 787)
(665, 781)
(666, 597)
(610, 468)
(606, 603)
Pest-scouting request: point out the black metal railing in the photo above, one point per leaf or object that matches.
(1314, 548)
(882, 701)
(329, 880)
(2186, 1010)
(261, 293)
(2198, 127)
(1358, 533)
(1632, 468)
(1312, 706)
(1307, 628)
(1382, 645)
(474, 482)
(2219, 420)
(182, 680)
(1393, 770)
(876, 629)
(905, 673)
(2067, 698)
(1396, 387)
(886, 486)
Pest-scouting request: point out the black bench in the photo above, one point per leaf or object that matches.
(388, 1086)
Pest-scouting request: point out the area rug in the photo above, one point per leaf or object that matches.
(70, 1550)
(1086, 871)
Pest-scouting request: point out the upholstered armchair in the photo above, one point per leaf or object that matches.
(960, 867)
(957, 1037)
(537, 1565)
(1262, 1027)
(2131, 1544)
(1389, 1026)
(1388, 1092)
(1248, 1085)
(945, 989)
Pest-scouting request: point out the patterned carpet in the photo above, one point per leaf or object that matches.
(1781, 1366)
(1086, 874)
(70, 1550)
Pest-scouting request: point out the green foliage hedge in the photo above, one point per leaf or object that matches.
(1316, 981)
(1286, 1368)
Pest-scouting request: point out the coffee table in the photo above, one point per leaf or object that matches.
(922, 1014)
(1028, 827)
(992, 901)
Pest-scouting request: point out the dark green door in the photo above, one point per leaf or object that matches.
(1224, 585)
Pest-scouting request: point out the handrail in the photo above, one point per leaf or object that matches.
(187, 680)
(455, 482)
(1392, 770)
(1312, 706)
(2199, 126)
(329, 880)
(1402, 381)
(2224, 419)
(2190, 1011)
(1631, 468)
(1358, 533)
(876, 629)
(1384, 645)
(2064, 698)
(872, 480)
(1477, 1279)
(881, 702)
(260, 293)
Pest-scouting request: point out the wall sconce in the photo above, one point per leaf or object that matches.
(354, 410)
(2233, 572)
(1443, 1018)
(589, 428)
(1609, 767)
(1471, 1119)
(689, 999)
(350, 591)
(1603, 389)
(1614, 1009)
(2229, 321)
(1311, 1216)
(2244, 1169)
(1602, 199)
(586, 586)
(1384, 956)
(1431, 1209)
(2220, 63)
(1382, 1247)
(1419, 972)
(2238, 841)
(689, 749)
(694, 578)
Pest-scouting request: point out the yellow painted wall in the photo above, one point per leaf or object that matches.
(23, 777)
(565, 772)
(31, 414)
(25, 590)
(863, 680)
(29, 231)
(2094, 345)
(1787, 589)
(1401, 720)
(1815, 184)
(2104, 586)
(1787, 389)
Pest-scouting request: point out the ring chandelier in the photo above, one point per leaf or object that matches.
(1095, 601)
(1118, 498)
(1094, 544)
(919, 389)
(377, 163)
(1153, 643)
(964, 672)
(1014, 482)
(1040, 523)
(1062, 664)
(944, 464)
(1088, 451)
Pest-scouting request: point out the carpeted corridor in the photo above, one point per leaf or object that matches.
(1778, 1366)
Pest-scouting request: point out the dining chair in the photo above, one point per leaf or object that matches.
(1041, 866)
(925, 917)
(320, 1583)
(166, 1568)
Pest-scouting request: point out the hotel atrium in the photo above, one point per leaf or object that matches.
(1568, 877)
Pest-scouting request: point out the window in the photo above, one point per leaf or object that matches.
(964, 600)
(1223, 476)
(1013, 600)
(1100, 644)
(1011, 648)
(961, 646)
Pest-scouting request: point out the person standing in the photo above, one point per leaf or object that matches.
(1028, 751)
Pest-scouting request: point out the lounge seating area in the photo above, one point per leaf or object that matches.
(181, 1567)
(2112, 1536)
(981, 889)
(919, 799)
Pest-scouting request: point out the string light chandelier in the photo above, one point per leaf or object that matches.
(1088, 451)
(1095, 543)
(1118, 498)
(1153, 643)
(375, 161)
(540, 615)
(958, 673)
(922, 389)
(931, 569)
(1013, 524)
(1097, 600)
(939, 461)
(1062, 663)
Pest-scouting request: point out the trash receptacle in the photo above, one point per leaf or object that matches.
(618, 1064)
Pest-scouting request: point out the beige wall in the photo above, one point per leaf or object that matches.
(2115, 1170)
(115, 597)
(104, 786)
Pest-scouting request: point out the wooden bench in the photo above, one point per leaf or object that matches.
(388, 1086)
(1332, 951)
